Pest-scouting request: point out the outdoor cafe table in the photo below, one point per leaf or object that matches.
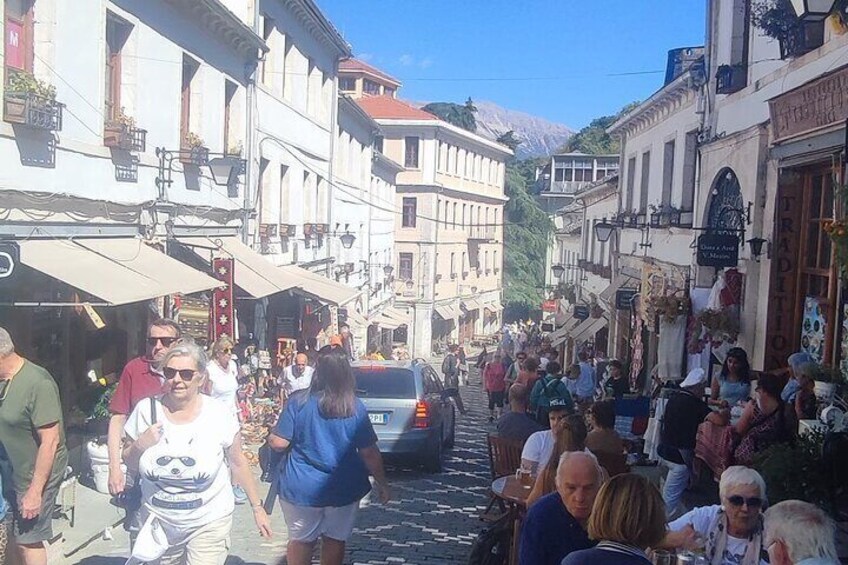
(511, 490)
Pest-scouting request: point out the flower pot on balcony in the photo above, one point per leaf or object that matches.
(197, 155)
(30, 109)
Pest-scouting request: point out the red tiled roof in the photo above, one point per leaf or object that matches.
(388, 108)
(356, 65)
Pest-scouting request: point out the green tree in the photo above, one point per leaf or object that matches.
(460, 115)
(527, 233)
(594, 139)
(508, 138)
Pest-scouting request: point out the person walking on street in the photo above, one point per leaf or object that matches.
(330, 449)
(495, 384)
(140, 379)
(463, 365)
(297, 376)
(450, 370)
(186, 447)
(33, 435)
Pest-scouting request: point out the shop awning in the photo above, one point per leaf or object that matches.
(446, 311)
(356, 319)
(393, 318)
(253, 273)
(471, 304)
(322, 288)
(494, 306)
(588, 328)
(560, 335)
(118, 271)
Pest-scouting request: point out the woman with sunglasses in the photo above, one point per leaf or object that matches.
(185, 446)
(223, 374)
(730, 533)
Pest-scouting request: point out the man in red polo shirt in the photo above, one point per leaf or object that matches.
(138, 381)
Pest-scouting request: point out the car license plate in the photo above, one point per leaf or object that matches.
(378, 417)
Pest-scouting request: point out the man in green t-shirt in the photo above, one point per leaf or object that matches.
(33, 436)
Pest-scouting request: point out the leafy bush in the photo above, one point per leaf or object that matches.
(20, 81)
(797, 471)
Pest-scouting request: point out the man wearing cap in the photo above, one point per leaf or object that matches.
(685, 411)
(539, 446)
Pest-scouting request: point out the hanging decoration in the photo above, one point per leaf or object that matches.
(670, 308)
(222, 299)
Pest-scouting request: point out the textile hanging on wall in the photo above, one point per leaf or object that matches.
(672, 341)
(813, 329)
(223, 322)
(731, 295)
(660, 280)
(636, 345)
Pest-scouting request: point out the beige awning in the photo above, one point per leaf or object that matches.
(471, 304)
(322, 288)
(560, 335)
(446, 311)
(355, 319)
(493, 306)
(116, 270)
(254, 274)
(588, 328)
(392, 318)
(620, 280)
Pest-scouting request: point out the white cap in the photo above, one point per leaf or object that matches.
(695, 377)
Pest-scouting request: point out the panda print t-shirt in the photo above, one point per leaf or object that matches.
(184, 478)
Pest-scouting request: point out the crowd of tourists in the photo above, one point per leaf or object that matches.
(587, 508)
(176, 459)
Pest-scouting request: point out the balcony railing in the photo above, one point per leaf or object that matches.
(30, 109)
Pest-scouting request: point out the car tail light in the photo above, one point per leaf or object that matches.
(422, 414)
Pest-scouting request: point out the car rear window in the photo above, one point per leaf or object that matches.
(384, 383)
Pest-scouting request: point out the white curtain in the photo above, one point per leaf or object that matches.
(672, 343)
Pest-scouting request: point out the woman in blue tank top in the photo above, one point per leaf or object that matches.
(733, 384)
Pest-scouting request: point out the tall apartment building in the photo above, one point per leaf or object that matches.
(449, 233)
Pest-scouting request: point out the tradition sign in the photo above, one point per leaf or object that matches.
(624, 298)
(718, 250)
(818, 104)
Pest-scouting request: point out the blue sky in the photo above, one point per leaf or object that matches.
(447, 50)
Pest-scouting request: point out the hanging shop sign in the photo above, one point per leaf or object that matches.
(718, 250)
(222, 299)
(581, 312)
(624, 298)
(549, 306)
(815, 105)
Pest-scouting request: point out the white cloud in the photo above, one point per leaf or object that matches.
(425, 63)
(406, 60)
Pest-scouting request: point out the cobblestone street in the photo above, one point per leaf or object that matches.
(431, 519)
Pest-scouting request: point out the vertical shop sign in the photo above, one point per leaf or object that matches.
(222, 298)
(782, 330)
(15, 54)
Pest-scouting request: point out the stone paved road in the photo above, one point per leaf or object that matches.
(432, 518)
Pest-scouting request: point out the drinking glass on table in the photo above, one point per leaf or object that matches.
(662, 557)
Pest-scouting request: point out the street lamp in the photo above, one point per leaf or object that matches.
(387, 270)
(557, 270)
(756, 244)
(603, 230)
(813, 10)
(224, 169)
(347, 240)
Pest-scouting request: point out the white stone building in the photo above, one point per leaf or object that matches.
(449, 240)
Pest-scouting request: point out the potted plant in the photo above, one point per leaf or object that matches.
(194, 150)
(669, 308)
(121, 132)
(235, 149)
(720, 325)
(30, 101)
(777, 19)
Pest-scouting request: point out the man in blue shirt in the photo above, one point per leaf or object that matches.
(586, 381)
(556, 524)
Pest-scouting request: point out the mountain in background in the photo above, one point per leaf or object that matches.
(539, 137)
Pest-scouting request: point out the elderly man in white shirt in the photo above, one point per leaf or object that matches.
(297, 376)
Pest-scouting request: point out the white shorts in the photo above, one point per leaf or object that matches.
(307, 523)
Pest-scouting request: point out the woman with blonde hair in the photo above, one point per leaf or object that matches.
(571, 436)
(223, 373)
(628, 517)
(186, 446)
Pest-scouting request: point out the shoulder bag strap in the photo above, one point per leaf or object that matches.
(152, 410)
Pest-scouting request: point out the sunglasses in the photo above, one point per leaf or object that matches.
(738, 501)
(185, 374)
(227, 350)
(165, 341)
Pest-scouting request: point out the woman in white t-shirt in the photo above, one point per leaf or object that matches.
(730, 534)
(185, 445)
(223, 374)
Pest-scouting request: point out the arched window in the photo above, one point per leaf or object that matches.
(725, 212)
